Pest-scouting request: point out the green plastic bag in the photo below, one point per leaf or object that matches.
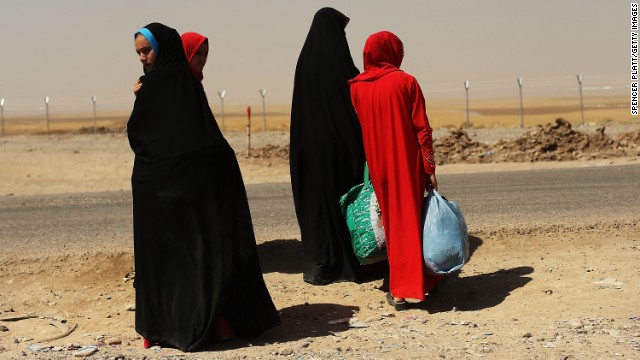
(364, 219)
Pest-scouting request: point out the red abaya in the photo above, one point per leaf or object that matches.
(399, 150)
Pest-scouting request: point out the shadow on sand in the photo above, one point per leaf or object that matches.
(285, 256)
(476, 292)
(281, 256)
(463, 293)
(299, 322)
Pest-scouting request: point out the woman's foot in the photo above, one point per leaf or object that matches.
(399, 304)
(146, 343)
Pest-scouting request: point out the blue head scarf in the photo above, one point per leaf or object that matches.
(150, 38)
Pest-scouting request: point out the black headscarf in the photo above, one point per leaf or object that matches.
(195, 253)
(171, 114)
(327, 155)
(321, 103)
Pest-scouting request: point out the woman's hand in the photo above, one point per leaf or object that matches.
(136, 87)
(432, 183)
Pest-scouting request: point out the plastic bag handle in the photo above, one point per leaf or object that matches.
(437, 194)
(366, 172)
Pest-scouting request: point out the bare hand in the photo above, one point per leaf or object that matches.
(433, 182)
(136, 87)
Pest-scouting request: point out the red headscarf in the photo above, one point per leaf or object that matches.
(191, 42)
(383, 53)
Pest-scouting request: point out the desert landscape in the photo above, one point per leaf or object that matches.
(564, 290)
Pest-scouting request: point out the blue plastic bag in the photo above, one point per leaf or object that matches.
(445, 238)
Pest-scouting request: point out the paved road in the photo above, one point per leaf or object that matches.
(102, 221)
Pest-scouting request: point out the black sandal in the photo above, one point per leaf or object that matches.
(397, 305)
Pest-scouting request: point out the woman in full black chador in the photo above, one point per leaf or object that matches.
(327, 155)
(198, 276)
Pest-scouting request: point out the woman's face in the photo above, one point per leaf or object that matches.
(199, 59)
(145, 52)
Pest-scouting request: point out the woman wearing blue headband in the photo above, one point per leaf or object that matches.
(198, 276)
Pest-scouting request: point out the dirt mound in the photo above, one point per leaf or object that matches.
(629, 142)
(98, 130)
(552, 142)
(457, 147)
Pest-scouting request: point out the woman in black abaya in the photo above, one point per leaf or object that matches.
(327, 155)
(198, 276)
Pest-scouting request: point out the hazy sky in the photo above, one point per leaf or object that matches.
(70, 50)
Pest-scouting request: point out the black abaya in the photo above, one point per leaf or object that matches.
(195, 253)
(327, 155)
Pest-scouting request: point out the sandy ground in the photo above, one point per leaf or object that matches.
(581, 302)
(63, 163)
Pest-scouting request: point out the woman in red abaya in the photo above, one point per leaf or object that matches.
(399, 150)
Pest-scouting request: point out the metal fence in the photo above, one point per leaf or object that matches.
(98, 114)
